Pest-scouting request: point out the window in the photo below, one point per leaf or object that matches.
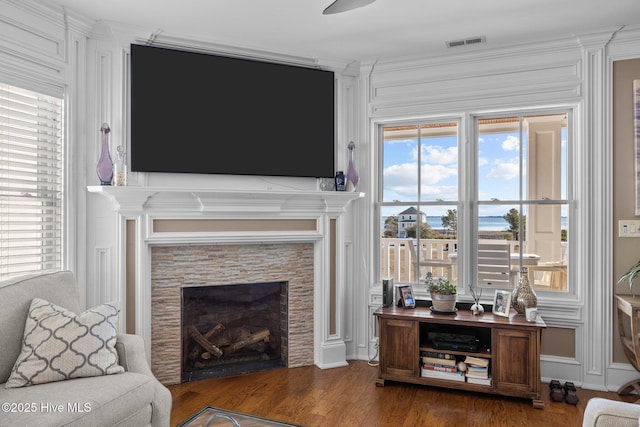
(30, 181)
(484, 212)
(419, 200)
(522, 180)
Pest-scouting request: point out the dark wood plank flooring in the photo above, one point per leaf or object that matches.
(348, 396)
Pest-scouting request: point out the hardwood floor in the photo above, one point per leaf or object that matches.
(349, 397)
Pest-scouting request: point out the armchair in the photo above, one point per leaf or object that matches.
(610, 413)
(132, 398)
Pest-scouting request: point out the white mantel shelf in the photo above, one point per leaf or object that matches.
(140, 199)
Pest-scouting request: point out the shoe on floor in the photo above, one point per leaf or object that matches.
(570, 393)
(555, 391)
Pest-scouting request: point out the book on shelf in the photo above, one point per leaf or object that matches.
(441, 368)
(439, 355)
(478, 361)
(451, 376)
(438, 361)
(477, 374)
(481, 381)
(475, 368)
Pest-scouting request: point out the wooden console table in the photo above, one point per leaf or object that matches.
(511, 344)
(630, 307)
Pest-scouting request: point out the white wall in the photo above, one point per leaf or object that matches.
(573, 73)
(66, 53)
(42, 49)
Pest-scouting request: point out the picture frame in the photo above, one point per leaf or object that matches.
(407, 299)
(502, 303)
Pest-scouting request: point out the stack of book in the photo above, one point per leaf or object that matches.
(441, 366)
(477, 370)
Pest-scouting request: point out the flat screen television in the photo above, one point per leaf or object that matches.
(201, 113)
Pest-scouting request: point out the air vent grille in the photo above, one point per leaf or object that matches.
(469, 41)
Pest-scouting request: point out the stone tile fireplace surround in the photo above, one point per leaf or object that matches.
(232, 237)
(174, 267)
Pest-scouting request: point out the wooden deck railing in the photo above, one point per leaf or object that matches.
(397, 260)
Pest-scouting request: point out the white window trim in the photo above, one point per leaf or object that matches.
(566, 305)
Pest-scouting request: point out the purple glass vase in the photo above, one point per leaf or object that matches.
(352, 174)
(105, 165)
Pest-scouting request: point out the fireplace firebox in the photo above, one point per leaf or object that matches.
(233, 329)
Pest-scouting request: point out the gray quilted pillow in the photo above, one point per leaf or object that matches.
(60, 345)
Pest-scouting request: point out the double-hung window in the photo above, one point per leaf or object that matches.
(419, 198)
(522, 183)
(30, 181)
(482, 213)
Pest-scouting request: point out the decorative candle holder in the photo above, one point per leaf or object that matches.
(341, 181)
(120, 168)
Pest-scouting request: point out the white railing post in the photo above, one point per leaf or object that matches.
(397, 260)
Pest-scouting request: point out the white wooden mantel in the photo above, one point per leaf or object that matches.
(144, 204)
(137, 199)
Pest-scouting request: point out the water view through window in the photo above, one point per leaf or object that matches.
(507, 189)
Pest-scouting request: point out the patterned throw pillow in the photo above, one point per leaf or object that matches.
(60, 345)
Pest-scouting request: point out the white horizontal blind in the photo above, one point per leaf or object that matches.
(30, 181)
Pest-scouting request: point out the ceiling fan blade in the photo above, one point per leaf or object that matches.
(343, 5)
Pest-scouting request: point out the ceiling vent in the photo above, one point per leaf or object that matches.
(465, 42)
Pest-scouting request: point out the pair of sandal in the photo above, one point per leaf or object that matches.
(566, 392)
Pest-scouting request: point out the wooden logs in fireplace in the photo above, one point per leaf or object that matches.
(219, 343)
(204, 341)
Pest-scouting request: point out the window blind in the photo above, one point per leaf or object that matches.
(30, 181)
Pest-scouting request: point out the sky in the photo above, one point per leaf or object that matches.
(498, 171)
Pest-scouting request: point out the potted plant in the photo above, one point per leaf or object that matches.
(631, 275)
(443, 293)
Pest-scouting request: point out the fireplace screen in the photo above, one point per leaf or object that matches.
(233, 329)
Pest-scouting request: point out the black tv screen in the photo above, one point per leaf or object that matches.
(200, 113)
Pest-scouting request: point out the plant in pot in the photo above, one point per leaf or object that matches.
(443, 293)
(631, 275)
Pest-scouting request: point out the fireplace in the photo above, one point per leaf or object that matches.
(224, 232)
(233, 329)
(179, 269)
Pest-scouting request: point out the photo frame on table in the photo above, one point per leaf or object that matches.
(407, 299)
(502, 303)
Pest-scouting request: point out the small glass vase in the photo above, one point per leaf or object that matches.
(523, 296)
(120, 168)
(105, 165)
(352, 175)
